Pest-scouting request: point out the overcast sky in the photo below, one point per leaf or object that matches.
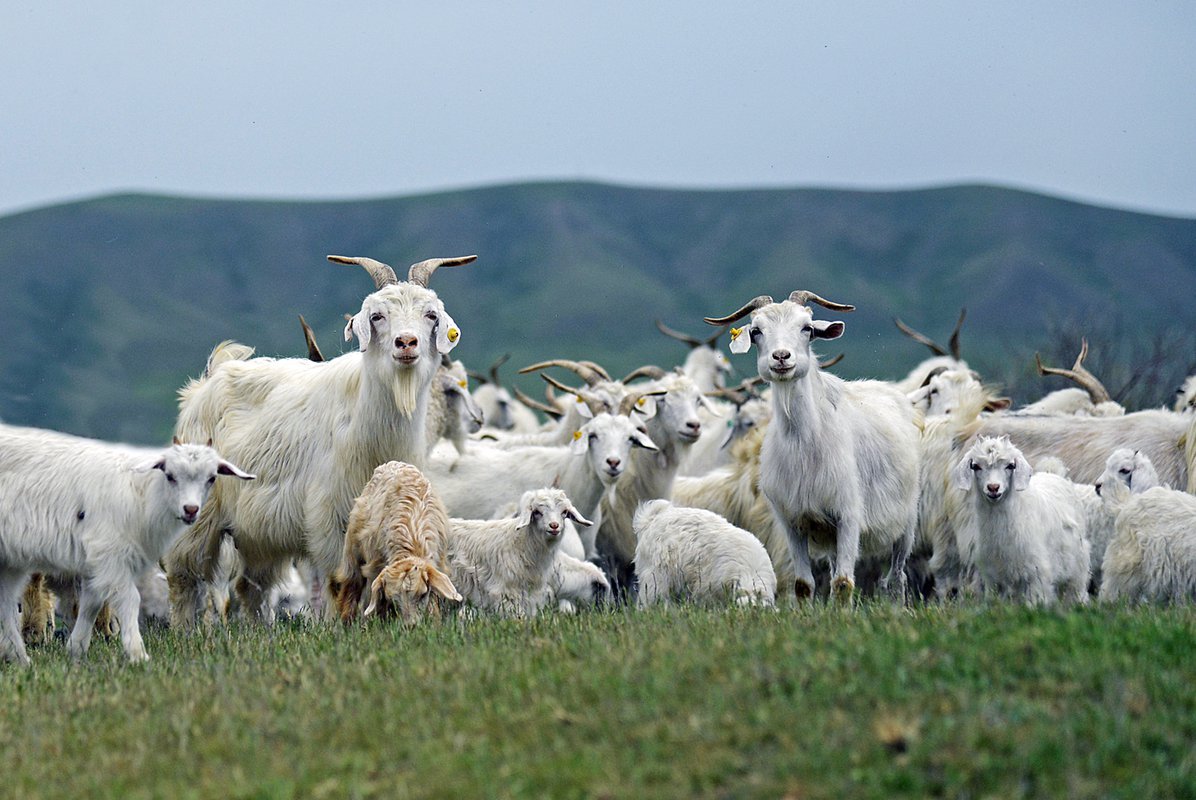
(1089, 100)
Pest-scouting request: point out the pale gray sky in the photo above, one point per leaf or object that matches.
(1089, 100)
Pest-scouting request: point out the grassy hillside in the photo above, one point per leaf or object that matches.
(822, 702)
(106, 306)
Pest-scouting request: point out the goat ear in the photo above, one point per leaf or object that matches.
(441, 585)
(640, 439)
(646, 407)
(741, 341)
(826, 330)
(998, 404)
(961, 475)
(377, 593)
(575, 515)
(1022, 472)
(525, 517)
(580, 443)
(447, 333)
(359, 326)
(228, 468)
(153, 463)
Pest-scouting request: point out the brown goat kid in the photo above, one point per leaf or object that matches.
(397, 542)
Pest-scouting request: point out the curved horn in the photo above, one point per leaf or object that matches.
(536, 405)
(477, 376)
(931, 375)
(646, 371)
(804, 298)
(498, 362)
(421, 272)
(934, 346)
(594, 365)
(382, 274)
(954, 342)
(587, 373)
(831, 362)
(1078, 374)
(681, 337)
(628, 403)
(711, 340)
(313, 349)
(557, 384)
(747, 308)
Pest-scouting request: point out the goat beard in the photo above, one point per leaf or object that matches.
(406, 390)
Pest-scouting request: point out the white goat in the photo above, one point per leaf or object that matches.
(479, 482)
(671, 416)
(505, 565)
(453, 413)
(839, 464)
(705, 365)
(314, 432)
(500, 409)
(696, 554)
(941, 360)
(1185, 396)
(1152, 555)
(100, 511)
(397, 544)
(1030, 539)
(573, 580)
(1124, 467)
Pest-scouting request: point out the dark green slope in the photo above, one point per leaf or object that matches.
(106, 306)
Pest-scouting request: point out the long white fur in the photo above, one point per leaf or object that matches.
(505, 565)
(105, 512)
(314, 432)
(696, 554)
(474, 485)
(453, 412)
(839, 464)
(1031, 543)
(1124, 467)
(1152, 555)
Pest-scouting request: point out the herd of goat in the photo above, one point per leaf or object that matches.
(379, 479)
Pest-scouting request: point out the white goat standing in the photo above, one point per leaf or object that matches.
(1031, 543)
(104, 512)
(696, 554)
(839, 464)
(505, 565)
(314, 432)
(1152, 554)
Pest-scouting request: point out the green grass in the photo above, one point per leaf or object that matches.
(688, 702)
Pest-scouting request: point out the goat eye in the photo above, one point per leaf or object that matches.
(754, 333)
(211, 480)
(170, 478)
(1125, 470)
(933, 392)
(593, 436)
(1009, 467)
(432, 316)
(376, 317)
(807, 329)
(975, 467)
(536, 514)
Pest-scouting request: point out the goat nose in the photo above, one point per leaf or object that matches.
(993, 488)
(554, 526)
(613, 462)
(406, 342)
(694, 425)
(781, 355)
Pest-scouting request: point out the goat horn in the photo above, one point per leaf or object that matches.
(646, 371)
(313, 349)
(1078, 374)
(628, 404)
(954, 342)
(594, 365)
(498, 362)
(934, 346)
(749, 307)
(555, 383)
(584, 371)
(830, 363)
(932, 374)
(477, 376)
(681, 337)
(382, 274)
(804, 298)
(420, 273)
(551, 411)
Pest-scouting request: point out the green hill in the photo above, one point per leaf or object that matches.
(108, 305)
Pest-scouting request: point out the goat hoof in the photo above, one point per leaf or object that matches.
(803, 590)
(842, 588)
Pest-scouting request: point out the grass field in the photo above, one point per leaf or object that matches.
(685, 702)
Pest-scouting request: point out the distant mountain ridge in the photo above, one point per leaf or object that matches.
(108, 305)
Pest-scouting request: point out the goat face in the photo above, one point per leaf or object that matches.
(406, 323)
(782, 333)
(676, 411)
(544, 511)
(188, 474)
(606, 441)
(455, 385)
(1128, 468)
(994, 466)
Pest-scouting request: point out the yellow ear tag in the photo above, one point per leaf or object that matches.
(462, 384)
(640, 402)
(453, 335)
(576, 435)
(580, 400)
(735, 333)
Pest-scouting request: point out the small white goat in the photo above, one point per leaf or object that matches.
(397, 544)
(1030, 538)
(1152, 554)
(696, 554)
(505, 565)
(101, 511)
